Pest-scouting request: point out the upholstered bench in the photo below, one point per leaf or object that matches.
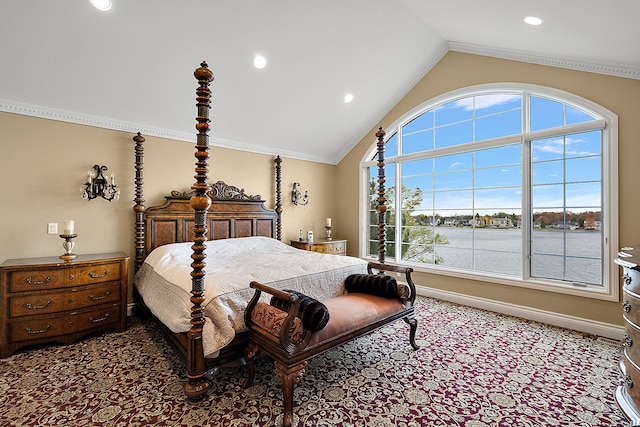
(294, 328)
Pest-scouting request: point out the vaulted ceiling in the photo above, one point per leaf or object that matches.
(131, 68)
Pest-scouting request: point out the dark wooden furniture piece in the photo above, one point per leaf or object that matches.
(350, 316)
(628, 393)
(335, 247)
(208, 212)
(204, 214)
(48, 300)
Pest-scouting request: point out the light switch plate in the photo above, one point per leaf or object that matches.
(52, 228)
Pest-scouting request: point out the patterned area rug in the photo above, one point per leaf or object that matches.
(474, 369)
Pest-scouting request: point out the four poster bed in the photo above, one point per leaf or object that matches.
(240, 240)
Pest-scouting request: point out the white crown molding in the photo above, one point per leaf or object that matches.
(617, 70)
(9, 106)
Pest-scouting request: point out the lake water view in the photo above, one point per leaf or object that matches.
(574, 256)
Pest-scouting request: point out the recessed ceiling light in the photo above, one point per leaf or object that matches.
(103, 5)
(259, 62)
(533, 20)
(348, 98)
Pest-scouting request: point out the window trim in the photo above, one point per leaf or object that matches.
(610, 291)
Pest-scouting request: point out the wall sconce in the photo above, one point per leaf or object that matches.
(97, 185)
(297, 198)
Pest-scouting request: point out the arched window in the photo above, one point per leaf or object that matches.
(510, 183)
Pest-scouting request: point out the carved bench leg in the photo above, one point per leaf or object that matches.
(289, 376)
(413, 324)
(250, 352)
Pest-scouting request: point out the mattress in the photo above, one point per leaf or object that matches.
(164, 281)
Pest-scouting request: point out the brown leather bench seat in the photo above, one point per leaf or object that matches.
(294, 328)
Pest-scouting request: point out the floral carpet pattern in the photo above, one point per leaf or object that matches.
(474, 369)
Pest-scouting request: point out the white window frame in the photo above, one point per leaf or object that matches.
(609, 290)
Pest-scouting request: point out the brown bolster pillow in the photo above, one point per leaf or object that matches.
(374, 284)
(313, 313)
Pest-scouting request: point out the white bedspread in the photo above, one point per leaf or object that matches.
(164, 281)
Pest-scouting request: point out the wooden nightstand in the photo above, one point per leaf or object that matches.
(49, 300)
(335, 247)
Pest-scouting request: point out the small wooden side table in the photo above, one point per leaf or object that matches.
(335, 247)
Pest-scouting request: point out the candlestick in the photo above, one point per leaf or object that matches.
(328, 227)
(68, 227)
(68, 245)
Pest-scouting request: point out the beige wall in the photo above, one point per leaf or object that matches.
(458, 70)
(44, 163)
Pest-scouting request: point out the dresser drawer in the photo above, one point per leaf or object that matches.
(97, 317)
(323, 249)
(631, 378)
(37, 327)
(339, 248)
(30, 304)
(631, 343)
(32, 328)
(630, 306)
(35, 280)
(93, 295)
(95, 274)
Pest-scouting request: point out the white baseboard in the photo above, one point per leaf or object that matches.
(129, 308)
(562, 320)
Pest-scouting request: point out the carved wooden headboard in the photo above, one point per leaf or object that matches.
(232, 214)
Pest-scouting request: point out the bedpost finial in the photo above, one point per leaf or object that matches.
(203, 73)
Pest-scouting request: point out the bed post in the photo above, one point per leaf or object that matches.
(278, 162)
(197, 385)
(139, 207)
(381, 207)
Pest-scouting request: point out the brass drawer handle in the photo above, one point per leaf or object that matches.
(98, 276)
(42, 331)
(37, 307)
(30, 281)
(92, 298)
(628, 381)
(627, 278)
(626, 306)
(100, 319)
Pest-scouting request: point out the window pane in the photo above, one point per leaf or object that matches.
(576, 116)
(498, 177)
(583, 169)
(422, 122)
(495, 103)
(453, 200)
(417, 167)
(497, 125)
(508, 155)
(416, 142)
(581, 196)
(547, 172)
(455, 111)
(456, 134)
(498, 198)
(453, 163)
(547, 149)
(549, 196)
(584, 144)
(454, 180)
(545, 113)
(391, 147)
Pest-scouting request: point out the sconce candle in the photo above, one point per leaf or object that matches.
(328, 222)
(99, 185)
